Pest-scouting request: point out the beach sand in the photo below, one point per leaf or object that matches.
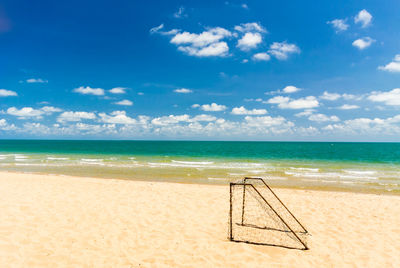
(61, 221)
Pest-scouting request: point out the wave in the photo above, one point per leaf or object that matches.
(360, 172)
(192, 162)
(57, 158)
(92, 159)
(306, 169)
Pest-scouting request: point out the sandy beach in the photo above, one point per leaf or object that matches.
(61, 221)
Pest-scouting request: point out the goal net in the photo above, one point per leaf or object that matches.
(258, 216)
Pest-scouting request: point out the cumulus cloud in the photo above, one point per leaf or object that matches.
(389, 97)
(205, 44)
(330, 96)
(363, 43)
(285, 90)
(243, 111)
(368, 126)
(282, 50)
(290, 89)
(364, 18)
(250, 27)
(213, 107)
(50, 109)
(36, 80)
(219, 49)
(171, 119)
(323, 118)
(25, 112)
(348, 107)
(124, 103)
(7, 93)
(118, 90)
(183, 90)
(117, 117)
(71, 116)
(288, 103)
(5, 126)
(249, 41)
(393, 66)
(261, 57)
(306, 112)
(89, 91)
(339, 25)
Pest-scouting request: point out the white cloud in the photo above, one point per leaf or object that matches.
(368, 126)
(285, 90)
(219, 49)
(50, 109)
(183, 90)
(244, 6)
(348, 107)
(282, 50)
(249, 41)
(206, 44)
(243, 111)
(36, 80)
(278, 100)
(117, 117)
(246, 60)
(25, 112)
(306, 112)
(7, 93)
(250, 27)
(71, 116)
(213, 107)
(203, 117)
(323, 118)
(261, 57)
(363, 43)
(339, 25)
(393, 66)
(89, 91)
(389, 97)
(330, 96)
(118, 90)
(290, 89)
(124, 103)
(287, 103)
(180, 13)
(171, 119)
(5, 126)
(364, 18)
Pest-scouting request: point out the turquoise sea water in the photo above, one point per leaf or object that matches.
(348, 166)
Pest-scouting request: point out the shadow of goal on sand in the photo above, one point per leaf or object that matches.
(258, 216)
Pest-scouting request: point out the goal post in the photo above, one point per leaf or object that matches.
(258, 216)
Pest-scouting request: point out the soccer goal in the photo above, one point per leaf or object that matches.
(258, 216)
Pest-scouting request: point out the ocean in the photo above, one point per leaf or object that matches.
(363, 167)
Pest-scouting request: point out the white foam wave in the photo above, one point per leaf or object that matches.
(57, 158)
(192, 162)
(92, 159)
(360, 172)
(306, 169)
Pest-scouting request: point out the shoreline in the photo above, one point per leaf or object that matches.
(220, 183)
(53, 220)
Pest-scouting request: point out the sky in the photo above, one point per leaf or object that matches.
(200, 70)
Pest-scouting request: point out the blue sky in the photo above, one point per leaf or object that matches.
(209, 70)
